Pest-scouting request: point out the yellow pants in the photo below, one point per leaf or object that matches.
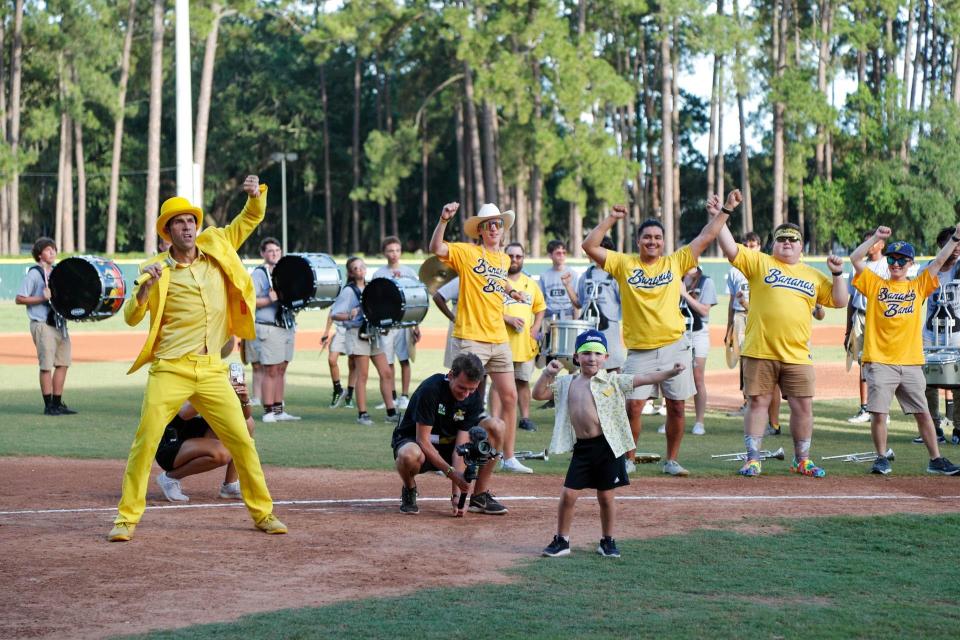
(203, 381)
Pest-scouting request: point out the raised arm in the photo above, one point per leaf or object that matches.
(591, 244)
(438, 247)
(717, 221)
(252, 214)
(541, 390)
(724, 238)
(859, 255)
(841, 294)
(945, 252)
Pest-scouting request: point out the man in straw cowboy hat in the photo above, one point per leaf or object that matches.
(479, 327)
(198, 294)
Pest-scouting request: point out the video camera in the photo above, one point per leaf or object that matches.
(476, 452)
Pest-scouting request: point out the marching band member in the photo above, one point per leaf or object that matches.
(892, 342)
(338, 345)
(697, 295)
(598, 292)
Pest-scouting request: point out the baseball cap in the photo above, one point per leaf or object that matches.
(591, 340)
(900, 248)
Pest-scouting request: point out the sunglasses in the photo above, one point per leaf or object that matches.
(900, 262)
(492, 224)
(785, 239)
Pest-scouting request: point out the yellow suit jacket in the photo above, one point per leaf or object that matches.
(221, 245)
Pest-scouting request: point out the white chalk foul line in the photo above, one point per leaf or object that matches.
(361, 501)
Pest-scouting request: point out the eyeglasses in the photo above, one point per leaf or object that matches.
(786, 239)
(492, 224)
(515, 256)
(900, 262)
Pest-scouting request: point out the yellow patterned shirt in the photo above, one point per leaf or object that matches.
(650, 295)
(609, 391)
(195, 314)
(480, 307)
(894, 318)
(522, 344)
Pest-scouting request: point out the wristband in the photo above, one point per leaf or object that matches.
(955, 238)
(837, 274)
(448, 472)
(727, 211)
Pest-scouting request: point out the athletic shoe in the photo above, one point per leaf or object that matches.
(881, 466)
(65, 410)
(403, 402)
(698, 429)
(514, 465)
(394, 419)
(548, 404)
(942, 466)
(271, 525)
(673, 468)
(51, 411)
(231, 490)
(283, 416)
(338, 399)
(350, 403)
(941, 439)
(771, 430)
(408, 501)
(365, 420)
(862, 416)
(121, 532)
(254, 402)
(662, 409)
(270, 416)
(382, 405)
(750, 469)
(806, 467)
(557, 547)
(662, 429)
(648, 408)
(955, 438)
(486, 503)
(171, 488)
(631, 466)
(739, 413)
(608, 547)
(526, 424)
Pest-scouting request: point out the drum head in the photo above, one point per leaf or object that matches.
(293, 280)
(75, 288)
(382, 302)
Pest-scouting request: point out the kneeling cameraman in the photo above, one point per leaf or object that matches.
(438, 418)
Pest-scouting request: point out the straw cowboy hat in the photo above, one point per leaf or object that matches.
(173, 207)
(487, 212)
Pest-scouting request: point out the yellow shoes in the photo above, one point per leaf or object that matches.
(121, 532)
(271, 525)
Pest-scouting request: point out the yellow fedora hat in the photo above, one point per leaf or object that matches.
(174, 207)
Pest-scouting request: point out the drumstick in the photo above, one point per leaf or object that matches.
(146, 275)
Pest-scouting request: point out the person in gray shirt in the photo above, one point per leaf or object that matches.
(598, 292)
(49, 331)
(557, 284)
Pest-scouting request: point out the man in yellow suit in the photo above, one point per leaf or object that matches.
(198, 294)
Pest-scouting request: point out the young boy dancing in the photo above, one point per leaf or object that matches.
(591, 409)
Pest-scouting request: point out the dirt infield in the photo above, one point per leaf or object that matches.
(204, 562)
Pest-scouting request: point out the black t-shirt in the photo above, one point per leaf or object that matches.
(179, 430)
(433, 403)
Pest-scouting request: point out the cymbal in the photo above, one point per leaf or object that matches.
(435, 274)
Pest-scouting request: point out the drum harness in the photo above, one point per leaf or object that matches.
(592, 309)
(54, 319)
(285, 318)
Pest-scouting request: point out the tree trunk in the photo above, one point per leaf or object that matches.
(536, 179)
(746, 222)
(81, 188)
(778, 121)
(720, 163)
(61, 163)
(4, 209)
(354, 203)
(16, 73)
(203, 98)
(468, 205)
(666, 140)
(479, 191)
(114, 197)
(381, 124)
(712, 137)
(488, 114)
(520, 206)
(424, 200)
(388, 117)
(462, 178)
(503, 197)
(822, 61)
(153, 130)
(919, 54)
(675, 135)
(69, 236)
(956, 75)
(327, 196)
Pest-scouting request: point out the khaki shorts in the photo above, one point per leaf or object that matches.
(53, 349)
(496, 358)
(275, 344)
(760, 378)
(644, 361)
(339, 342)
(616, 352)
(251, 351)
(523, 371)
(701, 342)
(396, 345)
(886, 380)
(856, 336)
(358, 347)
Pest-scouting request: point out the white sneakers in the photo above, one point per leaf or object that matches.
(673, 468)
(231, 491)
(662, 429)
(402, 402)
(171, 488)
(698, 429)
(648, 408)
(514, 465)
(283, 416)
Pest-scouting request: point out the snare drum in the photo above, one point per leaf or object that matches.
(942, 368)
(563, 336)
(306, 280)
(395, 302)
(87, 288)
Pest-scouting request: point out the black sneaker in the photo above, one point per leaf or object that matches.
(408, 501)
(338, 398)
(558, 547)
(941, 439)
(65, 410)
(548, 404)
(486, 503)
(881, 466)
(51, 411)
(527, 424)
(942, 466)
(955, 438)
(608, 547)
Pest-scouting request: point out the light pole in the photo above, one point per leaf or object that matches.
(282, 159)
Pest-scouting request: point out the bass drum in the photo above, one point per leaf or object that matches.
(306, 280)
(395, 302)
(942, 369)
(87, 288)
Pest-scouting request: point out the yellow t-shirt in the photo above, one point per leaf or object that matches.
(480, 307)
(195, 314)
(522, 344)
(782, 298)
(650, 295)
(894, 320)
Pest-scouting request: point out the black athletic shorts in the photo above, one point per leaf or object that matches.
(176, 433)
(593, 466)
(445, 450)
